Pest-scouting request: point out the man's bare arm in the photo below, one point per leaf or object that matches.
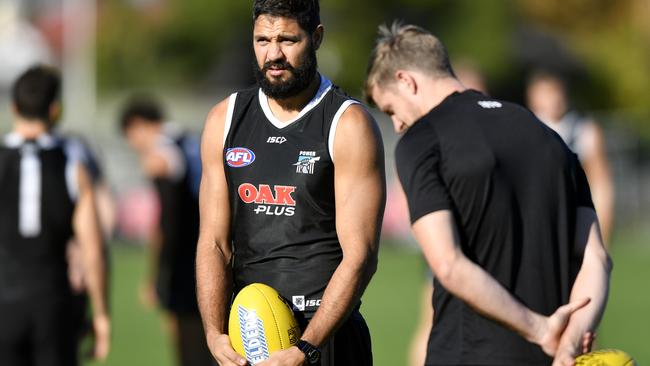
(436, 233)
(148, 295)
(419, 341)
(155, 165)
(213, 252)
(88, 233)
(596, 168)
(360, 198)
(592, 281)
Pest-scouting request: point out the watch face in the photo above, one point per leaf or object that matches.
(313, 356)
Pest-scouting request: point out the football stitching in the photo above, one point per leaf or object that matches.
(275, 321)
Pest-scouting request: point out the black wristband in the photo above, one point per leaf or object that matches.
(312, 354)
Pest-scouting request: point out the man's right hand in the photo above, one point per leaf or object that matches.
(102, 334)
(567, 351)
(223, 352)
(550, 330)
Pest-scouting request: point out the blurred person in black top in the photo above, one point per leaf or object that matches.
(47, 197)
(77, 148)
(547, 97)
(292, 195)
(501, 209)
(162, 149)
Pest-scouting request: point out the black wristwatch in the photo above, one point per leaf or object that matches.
(312, 354)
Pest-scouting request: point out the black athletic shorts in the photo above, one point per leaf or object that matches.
(350, 345)
(37, 332)
(80, 318)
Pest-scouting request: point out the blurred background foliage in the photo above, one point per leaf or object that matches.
(602, 46)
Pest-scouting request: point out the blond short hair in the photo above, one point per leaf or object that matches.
(407, 47)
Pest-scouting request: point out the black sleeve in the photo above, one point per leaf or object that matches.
(583, 193)
(94, 168)
(417, 158)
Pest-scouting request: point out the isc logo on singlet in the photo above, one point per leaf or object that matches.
(276, 201)
(276, 140)
(300, 304)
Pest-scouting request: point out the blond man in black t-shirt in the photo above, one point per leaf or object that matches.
(501, 209)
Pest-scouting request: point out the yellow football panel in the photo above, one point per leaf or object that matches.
(265, 313)
(605, 357)
(235, 335)
(289, 331)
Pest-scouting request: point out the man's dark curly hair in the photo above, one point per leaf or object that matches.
(305, 12)
(35, 91)
(143, 106)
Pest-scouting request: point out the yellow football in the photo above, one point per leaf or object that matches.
(605, 357)
(260, 323)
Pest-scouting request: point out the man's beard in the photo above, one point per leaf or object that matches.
(299, 79)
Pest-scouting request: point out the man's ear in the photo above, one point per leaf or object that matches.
(317, 36)
(406, 81)
(55, 112)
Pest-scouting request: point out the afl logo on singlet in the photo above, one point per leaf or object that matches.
(239, 157)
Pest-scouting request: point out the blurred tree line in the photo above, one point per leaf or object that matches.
(601, 46)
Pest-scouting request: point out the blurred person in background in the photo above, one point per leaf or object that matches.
(468, 73)
(77, 147)
(170, 158)
(292, 195)
(500, 207)
(47, 197)
(547, 97)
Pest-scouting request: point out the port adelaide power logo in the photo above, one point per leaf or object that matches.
(306, 162)
(269, 200)
(239, 157)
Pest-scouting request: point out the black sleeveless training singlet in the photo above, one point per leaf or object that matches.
(281, 185)
(36, 210)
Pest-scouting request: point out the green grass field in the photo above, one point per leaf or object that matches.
(390, 305)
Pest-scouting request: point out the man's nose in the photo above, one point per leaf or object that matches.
(275, 52)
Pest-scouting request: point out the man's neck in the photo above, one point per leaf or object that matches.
(286, 109)
(29, 129)
(436, 91)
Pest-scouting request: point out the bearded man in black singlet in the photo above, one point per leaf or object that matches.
(292, 195)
